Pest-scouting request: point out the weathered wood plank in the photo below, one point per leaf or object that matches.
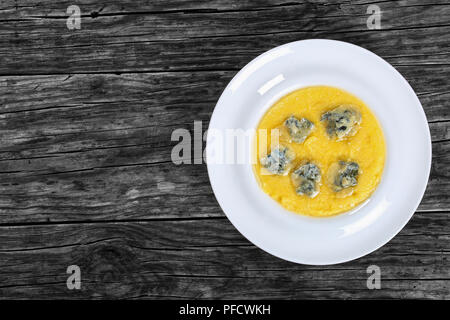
(157, 39)
(185, 259)
(121, 192)
(11, 8)
(27, 98)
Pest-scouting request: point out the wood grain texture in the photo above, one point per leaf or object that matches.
(205, 35)
(165, 259)
(86, 118)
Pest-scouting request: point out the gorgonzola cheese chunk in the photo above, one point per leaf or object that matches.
(278, 161)
(341, 122)
(306, 179)
(344, 175)
(298, 130)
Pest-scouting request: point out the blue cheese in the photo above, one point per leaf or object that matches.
(298, 130)
(341, 122)
(344, 175)
(306, 180)
(278, 161)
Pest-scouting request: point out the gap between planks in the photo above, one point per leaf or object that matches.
(149, 220)
(117, 221)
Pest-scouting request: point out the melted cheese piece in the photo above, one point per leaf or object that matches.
(366, 147)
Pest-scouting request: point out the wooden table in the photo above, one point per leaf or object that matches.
(86, 176)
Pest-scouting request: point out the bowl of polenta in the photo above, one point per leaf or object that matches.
(329, 152)
(318, 152)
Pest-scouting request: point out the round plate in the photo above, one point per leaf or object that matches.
(309, 240)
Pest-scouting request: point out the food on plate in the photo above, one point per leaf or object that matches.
(342, 121)
(343, 175)
(298, 129)
(306, 179)
(278, 160)
(325, 134)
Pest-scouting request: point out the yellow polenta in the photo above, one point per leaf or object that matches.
(366, 147)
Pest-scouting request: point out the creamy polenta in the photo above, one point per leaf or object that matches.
(362, 146)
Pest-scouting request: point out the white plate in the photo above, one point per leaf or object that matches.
(320, 241)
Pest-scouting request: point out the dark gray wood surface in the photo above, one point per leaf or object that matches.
(86, 177)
